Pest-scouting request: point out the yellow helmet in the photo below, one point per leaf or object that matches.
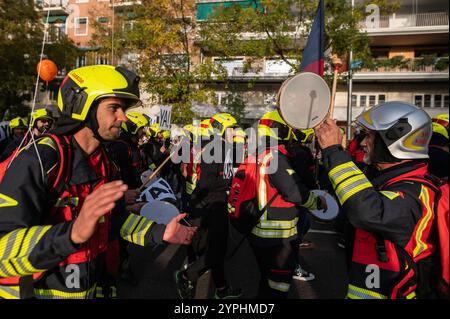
(166, 134)
(272, 120)
(239, 136)
(40, 114)
(18, 122)
(205, 128)
(221, 121)
(82, 87)
(136, 120)
(153, 130)
(302, 136)
(440, 125)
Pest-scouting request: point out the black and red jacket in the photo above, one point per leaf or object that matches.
(36, 223)
(393, 218)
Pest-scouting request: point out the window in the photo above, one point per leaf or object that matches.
(427, 100)
(279, 66)
(102, 19)
(372, 100)
(418, 100)
(437, 100)
(363, 100)
(233, 66)
(354, 100)
(381, 98)
(445, 101)
(81, 26)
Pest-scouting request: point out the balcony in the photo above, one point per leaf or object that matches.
(404, 24)
(119, 5)
(56, 7)
(417, 69)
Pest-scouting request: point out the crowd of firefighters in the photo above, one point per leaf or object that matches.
(306, 160)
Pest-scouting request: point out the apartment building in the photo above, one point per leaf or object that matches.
(410, 48)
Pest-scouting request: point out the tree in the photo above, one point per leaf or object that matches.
(21, 35)
(278, 28)
(160, 33)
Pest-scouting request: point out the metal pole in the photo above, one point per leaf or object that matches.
(350, 90)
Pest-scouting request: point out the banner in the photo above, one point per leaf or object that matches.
(164, 117)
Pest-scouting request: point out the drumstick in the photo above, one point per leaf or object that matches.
(144, 185)
(336, 63)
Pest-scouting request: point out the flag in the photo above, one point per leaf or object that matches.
(313, 54)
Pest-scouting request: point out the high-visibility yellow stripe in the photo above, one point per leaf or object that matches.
(274, 233)
(9, 292)
(49, 142)
(57, 294)
(342, 172)
(352, 186)
(278, 224)
(128, 226)
(135, 232)
(311, 203)
(364, 293)
(262, 184)
(6, 201)
(423, 223)
(412, 295)
(280, 286)
(390, 195)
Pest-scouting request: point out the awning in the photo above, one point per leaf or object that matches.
(55, 19)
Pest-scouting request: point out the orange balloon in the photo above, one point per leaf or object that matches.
(47, 70)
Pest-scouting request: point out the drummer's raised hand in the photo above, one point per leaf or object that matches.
(328, 134)
(178, 234)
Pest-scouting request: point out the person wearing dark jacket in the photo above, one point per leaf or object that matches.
(393, 216)
(57, 214)
(208, 210)
(438, 149)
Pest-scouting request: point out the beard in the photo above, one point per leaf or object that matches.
(367, 156)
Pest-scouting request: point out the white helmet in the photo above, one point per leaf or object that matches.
(404, 128)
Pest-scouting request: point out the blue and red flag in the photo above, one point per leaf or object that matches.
(313, 54)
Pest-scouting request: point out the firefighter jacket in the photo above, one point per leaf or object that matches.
(126, 155)
(36, 223)
(393, 218)
(211, 179)
(276, 178)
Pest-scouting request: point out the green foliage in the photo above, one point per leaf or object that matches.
(236, 105)
(21, 35)
(162, 37)
(442, 64)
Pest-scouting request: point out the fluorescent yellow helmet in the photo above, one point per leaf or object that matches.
(302, 136)
(18, 122)
(440, 125)
(84, 86)
(239, 136)
(205, 128)
(153, 130)
(40, 114)
(272, 125)
(220, 122)
(166, 134)
(136, 120)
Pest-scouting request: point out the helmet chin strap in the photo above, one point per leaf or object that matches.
(92, 123)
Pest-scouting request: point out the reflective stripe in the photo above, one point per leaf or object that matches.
(142, 231)
(57, 294)
(361, 293)
(342, 172)
(9, 292)
(6, 201)
(14, 262)
(274, 233)
(262, 184)
(311, 203)
(279, 224)
(390, 195)
(290, 171)
(280, 286)
(127, 228)
(411, 295)
(49, 142)
(423, 222)
(350, 187)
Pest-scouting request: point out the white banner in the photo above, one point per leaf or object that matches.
(164, 117)
(4, 131)
(159, 190)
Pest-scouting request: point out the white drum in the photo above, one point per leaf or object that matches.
(332, 207)
(159, 212)
(304, 100)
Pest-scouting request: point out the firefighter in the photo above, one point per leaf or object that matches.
(56, 213)
(41, 121)
(438, 149)
(392, 215)
(19, 137)
(280, 189)
(208, 210)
